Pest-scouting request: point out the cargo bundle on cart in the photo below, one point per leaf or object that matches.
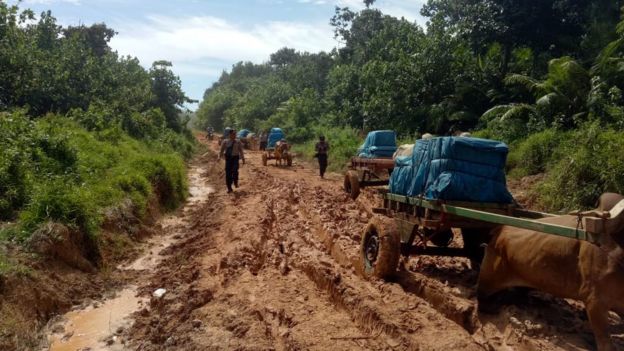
(373, 164)
(249, 139)
(453, 183)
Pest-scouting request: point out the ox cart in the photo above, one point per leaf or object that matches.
(280, 152)
(454, 186)
(373, 164)
(277, 148)
(416, 226)
(364, 172)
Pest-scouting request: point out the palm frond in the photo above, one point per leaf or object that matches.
(495, 112)
(522, 80)
(549, 100)
(619, 29)
(609, 52)
(518, 112)
(533, 85)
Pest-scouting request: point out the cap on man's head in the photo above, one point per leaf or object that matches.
(321, 137)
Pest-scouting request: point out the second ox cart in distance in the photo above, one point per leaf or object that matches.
(453, 182)
(249, 139)
(373, 164)
(277, 148)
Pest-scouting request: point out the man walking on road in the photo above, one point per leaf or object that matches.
(232, 149)
(264, 136)
(322, 148)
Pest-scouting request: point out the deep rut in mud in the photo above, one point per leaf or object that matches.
(274, 266)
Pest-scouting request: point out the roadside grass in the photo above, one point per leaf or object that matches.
(578, 165)
(53, 169)
(343, 145)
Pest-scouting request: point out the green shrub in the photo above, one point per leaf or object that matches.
(13, 186)
(58, 202)
(533, 154)
(54, 169)
(167, 175)
(16, 139)
(591, 164)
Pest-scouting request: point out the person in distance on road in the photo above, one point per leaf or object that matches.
(264, 136)
(322, 148)
(232, 150)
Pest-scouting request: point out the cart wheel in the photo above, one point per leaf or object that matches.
(473, 239)
(443, 238)
(380, 248)
(289, 160)
(264, 159)
(352, 184)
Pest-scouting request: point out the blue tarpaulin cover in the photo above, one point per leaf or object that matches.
(454, 169)
(379, 143)
(243, 133)
(275, 135)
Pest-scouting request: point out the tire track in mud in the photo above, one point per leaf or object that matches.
(274, 267)
(345, 252)
(334, 222)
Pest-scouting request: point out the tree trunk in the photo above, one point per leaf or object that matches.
(506, 60)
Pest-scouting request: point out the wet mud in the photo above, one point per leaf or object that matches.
(275, 266)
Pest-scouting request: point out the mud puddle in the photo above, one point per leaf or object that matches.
(99, 325)
(96, 326)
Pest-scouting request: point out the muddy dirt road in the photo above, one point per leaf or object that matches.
(274, 267)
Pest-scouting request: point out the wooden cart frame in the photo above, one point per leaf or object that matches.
(364, 172)
(410, 225)
(269, 154)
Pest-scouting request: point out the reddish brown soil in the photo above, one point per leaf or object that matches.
(274, 266)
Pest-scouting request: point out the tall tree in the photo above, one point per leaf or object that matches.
(545, 26)
(168, 94)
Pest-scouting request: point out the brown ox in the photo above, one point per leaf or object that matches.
(281, 152)
(564, 267)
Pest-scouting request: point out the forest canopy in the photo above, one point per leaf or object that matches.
(470, 57)
(525, 72)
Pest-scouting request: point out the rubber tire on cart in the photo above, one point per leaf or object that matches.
(443, 239)
(474, 238)
(352, 184)
(289, 160)
(380, 248)
(264, 159)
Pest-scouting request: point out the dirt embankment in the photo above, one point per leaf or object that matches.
(275, 266)
(58, 268)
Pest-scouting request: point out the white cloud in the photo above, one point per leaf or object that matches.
(197, 39)
(47, 2)
(200, 48)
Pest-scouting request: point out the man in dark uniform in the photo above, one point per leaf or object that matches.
(232, 149)
(322, 148)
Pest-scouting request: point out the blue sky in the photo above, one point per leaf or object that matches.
(204, 37)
